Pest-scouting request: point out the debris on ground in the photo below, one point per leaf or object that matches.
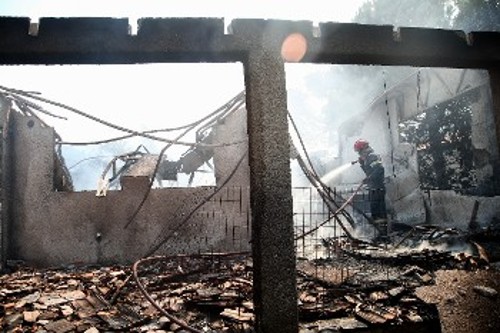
(209, 294)
(360, 288)
(486, 291)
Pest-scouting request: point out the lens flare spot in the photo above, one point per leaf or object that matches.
(294, 47)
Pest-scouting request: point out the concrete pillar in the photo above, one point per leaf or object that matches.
(495, 96)
(275, 294)
(4, 110)
(2, 234)
(495, 92)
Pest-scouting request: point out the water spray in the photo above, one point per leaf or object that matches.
(336, 172)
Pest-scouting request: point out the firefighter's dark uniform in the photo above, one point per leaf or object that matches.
(371, 164)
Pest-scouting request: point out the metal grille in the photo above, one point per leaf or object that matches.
(228, 215)
(310, 212)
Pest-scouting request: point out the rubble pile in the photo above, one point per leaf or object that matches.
(207, 293)
(63, 300)
(354, 294)
(212, 295)
(361, 287)
(430, 259)
(379, 307)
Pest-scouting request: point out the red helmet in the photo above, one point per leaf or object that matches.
(360, 144)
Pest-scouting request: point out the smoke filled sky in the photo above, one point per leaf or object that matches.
(315, 10)
(152, 96)
(142, 97)
(165, 94)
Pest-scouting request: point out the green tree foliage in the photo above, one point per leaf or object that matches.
(467, 15)
(369, 81)
(476, 15)
(406, 13)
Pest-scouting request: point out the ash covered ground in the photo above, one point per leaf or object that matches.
(364, 289)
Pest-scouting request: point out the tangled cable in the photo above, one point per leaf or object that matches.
(145, 134)
(324, 193)
(230, 106)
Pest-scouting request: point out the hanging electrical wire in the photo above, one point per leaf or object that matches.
(313, 176)
(313, 173)
(89, 159)
(217, 114)
(324, 193)
(228, 109)
(22, 103)
(162, 152)
(31, 109)
(389, 127)
(17, 92)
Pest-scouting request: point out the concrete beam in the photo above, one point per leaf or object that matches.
(108, 40)
(349, 43)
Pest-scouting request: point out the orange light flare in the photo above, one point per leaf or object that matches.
(294, 47)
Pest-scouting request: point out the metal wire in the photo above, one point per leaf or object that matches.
(157, 166)
(222, 110)
(114, 126)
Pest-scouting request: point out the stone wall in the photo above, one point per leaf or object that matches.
(56, 227)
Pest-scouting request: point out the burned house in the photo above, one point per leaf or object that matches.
(44, 222)
(435, 133)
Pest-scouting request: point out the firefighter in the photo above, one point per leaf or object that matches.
(371, 164)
